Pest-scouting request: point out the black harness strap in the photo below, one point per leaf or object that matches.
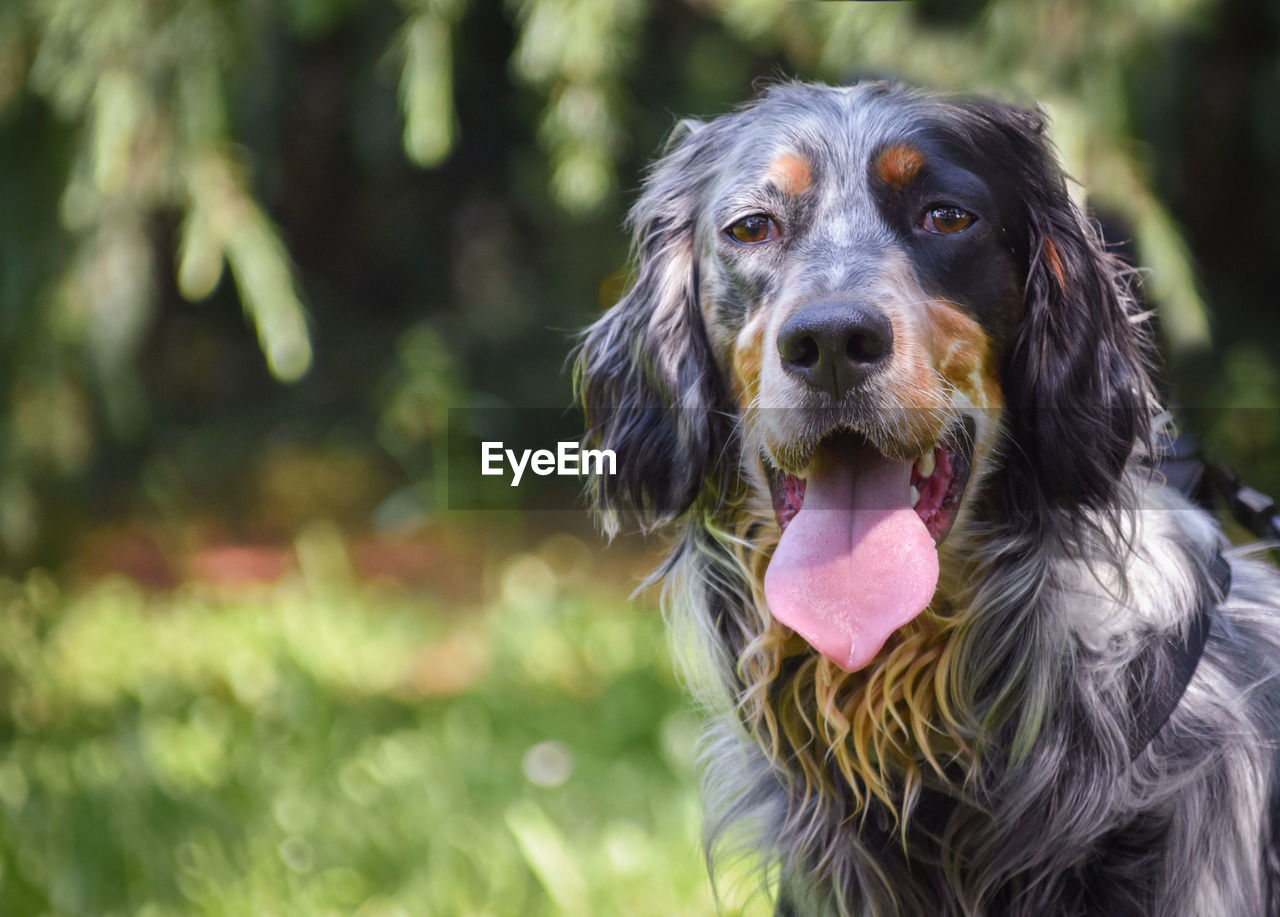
(1157, 698)
(1158, 684)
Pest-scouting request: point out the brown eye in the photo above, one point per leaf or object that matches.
(947, 220)
(753, 229)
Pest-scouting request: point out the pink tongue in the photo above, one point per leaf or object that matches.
(856, 563)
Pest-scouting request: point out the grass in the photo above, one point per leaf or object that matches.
(324, 747)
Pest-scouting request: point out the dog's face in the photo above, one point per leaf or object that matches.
(857, 274)
(861, 302)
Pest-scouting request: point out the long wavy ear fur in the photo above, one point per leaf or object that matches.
(1076, 379)
(644, 372)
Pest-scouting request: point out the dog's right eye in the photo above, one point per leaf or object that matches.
(753, 229)
(948, 219)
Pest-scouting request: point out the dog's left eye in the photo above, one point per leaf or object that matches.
(753, 229)
(947, 220)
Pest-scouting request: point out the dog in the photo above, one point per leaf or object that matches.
(963, 652)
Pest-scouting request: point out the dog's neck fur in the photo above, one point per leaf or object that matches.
(941, 754)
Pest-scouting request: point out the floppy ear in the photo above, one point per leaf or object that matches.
(1078, 393)
(644, 373)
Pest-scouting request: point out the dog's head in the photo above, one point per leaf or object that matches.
(864, 303)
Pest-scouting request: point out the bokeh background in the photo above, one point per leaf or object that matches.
(253, 252)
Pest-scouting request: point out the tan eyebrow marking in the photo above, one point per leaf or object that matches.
(898, 164)
(791, 174)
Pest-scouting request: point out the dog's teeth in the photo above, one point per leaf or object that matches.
(926, 464)
(914, 494)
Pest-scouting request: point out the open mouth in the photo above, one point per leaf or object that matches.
(937, 482)
(858, 556)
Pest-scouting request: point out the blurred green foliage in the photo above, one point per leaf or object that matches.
(317, 748)
(412, 204)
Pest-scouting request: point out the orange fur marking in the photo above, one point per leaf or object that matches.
(912, 383)
(791, 174)
(961, 352)
(1055, 262)
(898, 165)
(747, 359)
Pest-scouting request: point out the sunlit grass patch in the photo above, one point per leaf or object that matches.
(321, 747)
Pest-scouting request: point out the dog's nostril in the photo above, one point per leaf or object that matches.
(802, 351)
(866, 347)
(805, 353)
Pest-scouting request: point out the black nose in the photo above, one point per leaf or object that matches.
(834, 346)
